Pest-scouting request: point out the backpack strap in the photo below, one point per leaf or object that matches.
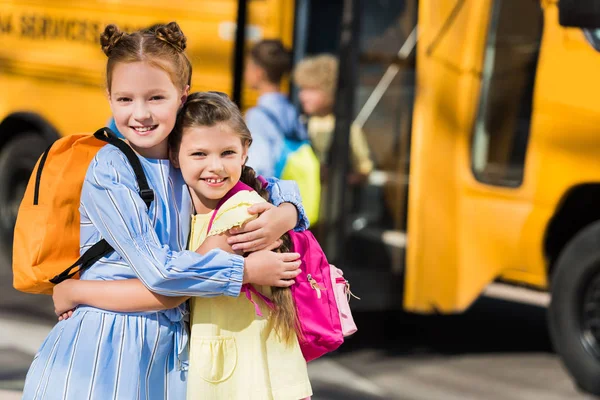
(289, 135)
(108, 136)
(262, 181)
(87, 259)
(102, 248)
(274, 120)
(237, 188)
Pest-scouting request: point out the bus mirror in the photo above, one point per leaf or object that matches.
(579, 13)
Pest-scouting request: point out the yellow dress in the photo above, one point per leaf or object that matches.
(232, 353)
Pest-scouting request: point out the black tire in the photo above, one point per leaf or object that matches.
(17, 160)
(574, 312)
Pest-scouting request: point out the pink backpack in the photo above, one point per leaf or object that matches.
(321, 294)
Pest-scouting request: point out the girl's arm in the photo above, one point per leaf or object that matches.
(234, 212)
(159, 269)
(111, 202)
(252, 275)
(361, 155)
(287, 192)
(272, 222)
(128, 295)
(259, 233)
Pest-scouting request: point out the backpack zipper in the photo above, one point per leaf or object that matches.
(315, 285)
(38, 176)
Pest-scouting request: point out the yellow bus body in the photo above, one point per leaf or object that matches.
(464, 234)
(51, 63)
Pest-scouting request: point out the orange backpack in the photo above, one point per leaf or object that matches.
(46, 239)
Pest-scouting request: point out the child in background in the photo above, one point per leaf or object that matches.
(240, 348)
(103, 354)
(269, 61)
(316, 78)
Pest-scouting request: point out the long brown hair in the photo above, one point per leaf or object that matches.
(162, 46)
(212, 108)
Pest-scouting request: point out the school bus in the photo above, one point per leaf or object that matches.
(480, 115)
(484, 125)
(505, 170)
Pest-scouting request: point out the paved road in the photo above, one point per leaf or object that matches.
(498, 350)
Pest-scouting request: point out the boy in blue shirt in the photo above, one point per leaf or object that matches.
(274, 117)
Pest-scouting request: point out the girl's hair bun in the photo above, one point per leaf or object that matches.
(110, 37)
(172, 34)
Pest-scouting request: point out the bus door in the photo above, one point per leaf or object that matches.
(374, 216)
(470, 193)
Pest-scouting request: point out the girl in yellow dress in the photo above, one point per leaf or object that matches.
(240, 347)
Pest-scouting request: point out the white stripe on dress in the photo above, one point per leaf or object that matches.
(151, 361)
(48, 361)
(166, 383)
(72, 360)
(118, 380)
(141, 336)
(97, 356)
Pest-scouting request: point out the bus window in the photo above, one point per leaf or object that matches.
(501, 130)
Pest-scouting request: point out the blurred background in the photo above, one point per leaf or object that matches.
(472, 239)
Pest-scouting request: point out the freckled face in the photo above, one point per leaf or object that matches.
(211, 160)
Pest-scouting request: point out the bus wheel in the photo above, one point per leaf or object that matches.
(17, 160)
(574, 312)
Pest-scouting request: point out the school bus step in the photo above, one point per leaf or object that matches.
(395, 239)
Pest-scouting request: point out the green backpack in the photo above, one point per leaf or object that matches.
(298, 162)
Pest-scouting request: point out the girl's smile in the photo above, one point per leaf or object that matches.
(144, 130)
(215, 182)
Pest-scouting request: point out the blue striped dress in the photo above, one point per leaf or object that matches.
(100, 354)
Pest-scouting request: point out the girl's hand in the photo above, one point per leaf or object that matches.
(266, 229)
(66, 315)
(271, 269)
(63, 297)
